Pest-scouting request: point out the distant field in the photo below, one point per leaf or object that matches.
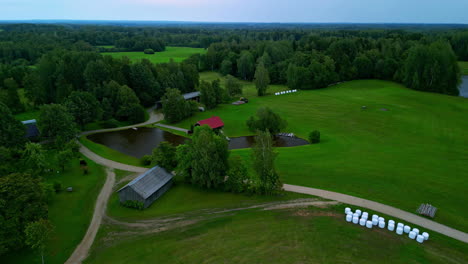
(407, 148)
(463, 67)
(178, 54)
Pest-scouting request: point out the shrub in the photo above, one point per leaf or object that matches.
(134, 204)
(111, 123)
(266, 120)
(237, 179)
(314, 137)
(57, 187)
(146, 160)
(148, 51)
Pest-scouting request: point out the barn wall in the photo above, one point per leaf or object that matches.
(129, 194)
(158, 193)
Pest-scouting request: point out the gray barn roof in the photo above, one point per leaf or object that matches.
(191, 95)
(149, 182)
(31, 128)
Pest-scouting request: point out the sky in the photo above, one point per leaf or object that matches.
(325, 11)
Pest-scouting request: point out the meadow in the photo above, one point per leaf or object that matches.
(406, 148)
(463, 67)
(311, 235)
(178, 54)
(69, 212)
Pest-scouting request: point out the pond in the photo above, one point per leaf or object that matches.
(464, 87)
(142, 141)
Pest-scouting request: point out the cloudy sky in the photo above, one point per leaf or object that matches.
(361, 11)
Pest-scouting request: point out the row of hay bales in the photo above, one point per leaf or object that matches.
(362, 218)
(286, 92)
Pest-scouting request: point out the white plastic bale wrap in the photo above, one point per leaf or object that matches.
(412, 235)
(355, 220)
(420, 238)
(364, 217)
(425, 235)
(362, 222)
(349, 218)
(381, 219)
(416, 231)
(391, 222)
(391, 227)
(399, 231)
(375, 216)
(375, 221)
(355, 215)
(359, 212)
(382, 224)
(347, 210)
(369, 224)
(366, 214)
(407, 229)
(400, 225)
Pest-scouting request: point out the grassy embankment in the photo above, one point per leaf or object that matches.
(178, 54)
(413, 153)
(69, 212)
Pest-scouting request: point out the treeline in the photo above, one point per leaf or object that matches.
(422, 62)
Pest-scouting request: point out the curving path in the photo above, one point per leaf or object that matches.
(82, 250)
(389, 210)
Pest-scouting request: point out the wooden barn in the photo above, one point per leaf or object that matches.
(214, 122)
(147, 187)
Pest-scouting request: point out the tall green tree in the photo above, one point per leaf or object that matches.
(34, 158)
(12, 131)
(22, 201)
(266, 120)
(165, 156)
(56, 123)
(432, 68)
(207, 95)
(175, 107)
(12, 99)
(263, 157)
(84, 107)
(233, 86)
(262, 79)
(37, 235)
(246, 65)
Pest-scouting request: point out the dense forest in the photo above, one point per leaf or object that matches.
(59, 70)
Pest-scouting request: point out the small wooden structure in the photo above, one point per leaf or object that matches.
(147, 187)
(214, 122)
(427, 210)
(31, 128)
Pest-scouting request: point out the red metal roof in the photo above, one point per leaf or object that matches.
(213, 122)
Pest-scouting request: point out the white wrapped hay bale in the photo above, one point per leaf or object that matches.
(407, 229)
(347, 210)
(382, 224)
(420, 238)
(399, 231)
(362, 222)
(375, 221)
(364, 217)
(355, 215)
(425, 235)
(381, 219)
(412, 235)
(391, 227)
(369, 224)
(359, 212)
(375, 216)
(349, 218)
(400, 225)
(366, 214)
(416, 231)
(355, 220)
(391, 222)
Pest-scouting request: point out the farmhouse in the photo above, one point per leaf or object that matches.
(147, 187)
(194, 96)
(31, 128)
(214, 122)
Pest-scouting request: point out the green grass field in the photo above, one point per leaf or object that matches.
(411, 154)
(178, 54)
(70, 213)
(176, 201)
(463, 67)
(109, 153)
(311, 235)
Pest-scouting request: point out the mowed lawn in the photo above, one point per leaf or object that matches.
(406, 148)
(311, 235)
(69, 212)
(463, 67)
(178, 54)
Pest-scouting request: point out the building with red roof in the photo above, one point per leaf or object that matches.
(214, 122)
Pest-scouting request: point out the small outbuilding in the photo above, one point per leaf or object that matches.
(31, 128)
(214, 122)
(147, 187)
